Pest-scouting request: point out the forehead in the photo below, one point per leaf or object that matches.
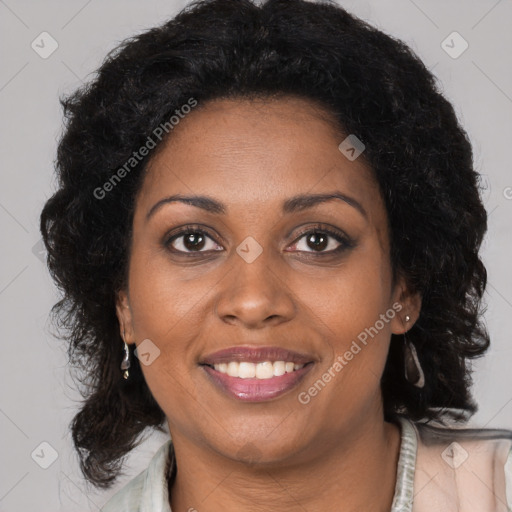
(259, 149)
(248, 152)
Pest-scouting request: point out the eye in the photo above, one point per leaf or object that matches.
(191, 240)
(323, 241)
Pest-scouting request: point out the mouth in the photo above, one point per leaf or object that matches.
(256, 374)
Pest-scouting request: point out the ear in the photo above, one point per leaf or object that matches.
(124, 315)
(405, 303)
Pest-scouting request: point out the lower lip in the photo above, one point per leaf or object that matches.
(257, 390)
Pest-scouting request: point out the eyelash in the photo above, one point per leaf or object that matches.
(345, 241)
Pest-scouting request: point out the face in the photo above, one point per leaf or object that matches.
(260, 270)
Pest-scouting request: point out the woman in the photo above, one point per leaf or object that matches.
(274, 210)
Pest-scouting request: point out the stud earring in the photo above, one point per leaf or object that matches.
(125, 364)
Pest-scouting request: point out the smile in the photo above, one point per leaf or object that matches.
(256, 382)
(263, 370)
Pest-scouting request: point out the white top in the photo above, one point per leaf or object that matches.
(439, 470)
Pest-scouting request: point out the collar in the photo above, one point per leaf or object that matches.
(404, 490)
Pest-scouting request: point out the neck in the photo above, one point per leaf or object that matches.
(350, 471)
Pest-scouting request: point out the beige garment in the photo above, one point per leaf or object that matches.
(462, 470)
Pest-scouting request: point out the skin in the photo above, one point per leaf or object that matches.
(336, 452)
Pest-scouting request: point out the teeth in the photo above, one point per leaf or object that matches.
(246, 370)
(279, 368)
(232, 369)
(263, 370)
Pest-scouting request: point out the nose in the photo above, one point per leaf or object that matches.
(253, 295)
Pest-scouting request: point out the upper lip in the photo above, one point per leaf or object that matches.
(255, 355)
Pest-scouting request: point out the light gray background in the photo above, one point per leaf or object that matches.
(38, 396)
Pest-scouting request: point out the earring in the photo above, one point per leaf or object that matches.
(125, 364)
(413, 371)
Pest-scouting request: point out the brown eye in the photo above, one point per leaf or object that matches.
(194, 241)
(322, 241)
(190, 241)
(317, 241)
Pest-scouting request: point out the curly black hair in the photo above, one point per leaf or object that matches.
(373, 85)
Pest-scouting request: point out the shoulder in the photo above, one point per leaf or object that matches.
(148, 490)
(463, 467)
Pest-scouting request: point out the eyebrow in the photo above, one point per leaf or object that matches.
(291, 205)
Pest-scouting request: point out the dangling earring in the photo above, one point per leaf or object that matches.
(126, 359)
(413, 371)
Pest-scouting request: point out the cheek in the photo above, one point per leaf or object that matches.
(166, 312)
(352, 297)
(353, 311)
(162, 299)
